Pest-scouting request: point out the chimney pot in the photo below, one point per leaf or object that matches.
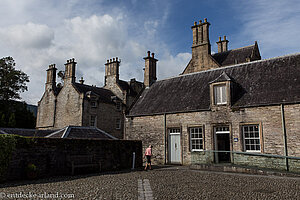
(148, 53)
(107, 61)
(73, 59)
(195, 23)
(205, 20)
(116, 58)
(220, 39)
(113, 59)
(152, 55)
(81, 80)
(110, 60)
(200, 22)
(224, 37)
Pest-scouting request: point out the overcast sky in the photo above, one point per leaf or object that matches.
(37, 33)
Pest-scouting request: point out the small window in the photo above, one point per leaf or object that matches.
(174, 131)
(93, 104)
(251, 138)
(118, 106)
(220, 95)
(118, 123)
(93, 120)
(196, 139)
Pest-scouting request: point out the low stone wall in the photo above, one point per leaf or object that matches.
(259, 161)
(51, 156)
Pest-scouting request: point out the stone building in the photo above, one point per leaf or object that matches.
(78, 104)
(230, 101)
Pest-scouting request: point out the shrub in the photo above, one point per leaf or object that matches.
(7, 146)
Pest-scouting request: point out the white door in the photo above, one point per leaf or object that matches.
(174, 146)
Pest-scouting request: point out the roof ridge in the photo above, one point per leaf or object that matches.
(231, 66)
(235, 49)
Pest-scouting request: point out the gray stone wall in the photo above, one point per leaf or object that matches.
(51, 156)
(69, 107)
(45, 114)
(107, 115)
(150, 129)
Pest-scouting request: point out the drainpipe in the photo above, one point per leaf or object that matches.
(284, 138)
(165, 131)
(54, 115)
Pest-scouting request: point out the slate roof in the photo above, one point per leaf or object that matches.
(81, 132)
(264, 82)
(25, 132)
(234, 56)
(126, 86)
(104, 94)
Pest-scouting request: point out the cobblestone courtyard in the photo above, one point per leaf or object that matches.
(161, 183)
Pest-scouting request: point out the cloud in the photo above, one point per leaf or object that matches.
(30, 35)
(274, 24)
(91, 32)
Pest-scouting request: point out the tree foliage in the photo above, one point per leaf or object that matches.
(13, 113)
(12, 81)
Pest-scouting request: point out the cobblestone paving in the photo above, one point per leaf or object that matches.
(162, 183)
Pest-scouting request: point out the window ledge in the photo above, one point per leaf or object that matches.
(197, 150)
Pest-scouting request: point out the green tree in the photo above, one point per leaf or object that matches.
(12, 81)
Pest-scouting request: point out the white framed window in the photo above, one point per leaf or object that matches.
(174, 131)
(220, 95)
(93, 120)
(251, 137)
(196, 138)
(93, 104)
(118, 123)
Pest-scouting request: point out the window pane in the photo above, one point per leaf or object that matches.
(251, 137)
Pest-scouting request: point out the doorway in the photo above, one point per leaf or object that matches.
(222, 143)
(174, 147)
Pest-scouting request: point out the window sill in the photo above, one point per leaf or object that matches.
(197, 150)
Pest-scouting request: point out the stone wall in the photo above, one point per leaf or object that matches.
(51, 156)
(150, 129)
(69, 107)
(107, 115)
(46, 107)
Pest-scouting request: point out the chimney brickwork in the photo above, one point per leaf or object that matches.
(201, 49)
(150, 70)
(70, 71)
(112, 71)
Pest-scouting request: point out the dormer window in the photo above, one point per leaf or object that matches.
(220, 90)
(220, 94)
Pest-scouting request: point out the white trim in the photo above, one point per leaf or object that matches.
(222, 132)
(174, 133)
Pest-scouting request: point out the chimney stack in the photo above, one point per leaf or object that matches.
(51, 76)
(112, 70)
(150, 70)
(222, 45)
(70, 71)
(81, 81)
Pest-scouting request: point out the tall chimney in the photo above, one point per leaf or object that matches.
(150, 70)
(219, 43)
(70, 71)
(222, 45)
(225, 44)
(112, 71)
(51, 76)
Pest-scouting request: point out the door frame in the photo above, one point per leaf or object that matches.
(169, 143)
(229, 132)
